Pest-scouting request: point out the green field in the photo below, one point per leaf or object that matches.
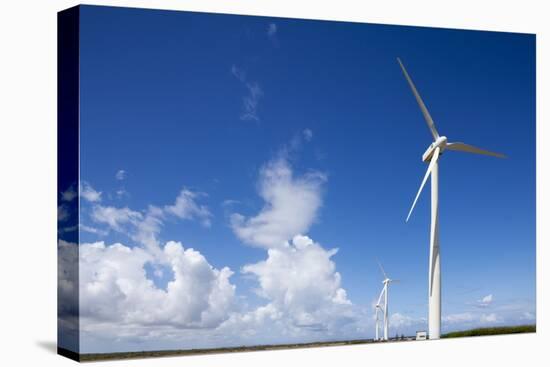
(492, 331)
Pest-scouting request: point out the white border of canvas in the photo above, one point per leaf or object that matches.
(28, 181)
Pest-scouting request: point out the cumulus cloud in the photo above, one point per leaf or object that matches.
(114, 288)
(298, 278)
(67, 278)
(68, 319)
(300, 281)
(252, 98)
(291, 205)
(119, 299)
(89, 193)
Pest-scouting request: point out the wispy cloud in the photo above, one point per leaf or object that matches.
(120, 175)
(97, 231)
(230, 202)
(89, 193)
(120, 193)
(62, 213)
(252, 98)
(308, 134)
(272, 30)
(186, 207)
(114, 217)
(144, 226)
(485, 301)
(69, 194)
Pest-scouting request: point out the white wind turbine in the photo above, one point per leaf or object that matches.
(383, 308)
(432, 155)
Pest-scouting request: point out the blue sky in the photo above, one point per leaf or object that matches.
(211, 103)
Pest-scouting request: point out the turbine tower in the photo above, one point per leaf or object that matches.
(383, 308)
(432, 155)
(378, 309)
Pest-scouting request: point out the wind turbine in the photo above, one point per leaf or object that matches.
(384, 308)
(432, 155)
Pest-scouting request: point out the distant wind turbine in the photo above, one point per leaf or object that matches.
(432, 155)
(383, 308)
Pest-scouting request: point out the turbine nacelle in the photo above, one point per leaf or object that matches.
(440, 142)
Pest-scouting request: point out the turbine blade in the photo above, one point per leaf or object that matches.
(435, 157)
(382, 269)
(423, 108)
(380, 297)
(461, 147)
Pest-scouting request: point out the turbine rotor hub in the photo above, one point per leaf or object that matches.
(440, 142)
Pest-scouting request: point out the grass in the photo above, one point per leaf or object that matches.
(183, 352)
(88, 357)
(492, 331)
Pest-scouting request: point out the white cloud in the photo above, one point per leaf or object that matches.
(238, 73)
(298, 278)
(272, 29)
(186, 207)
(489, 319)
(121, 193)
(467, 320)
(69, 195)
(67, 273)
(118, 300)
(93, 230)
(146, 231)
(291, 205)
(88, 192)
(308, 134)
(115, 291)
(400, 322)
(463, 317)
(62, 213)
(114, 217)
(145, 227)
(120, 175)
(230, 202)
(300, 281)
(250, 100)
(485, 301)
(305, 300)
